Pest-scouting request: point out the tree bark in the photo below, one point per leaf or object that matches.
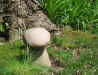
(22, 14)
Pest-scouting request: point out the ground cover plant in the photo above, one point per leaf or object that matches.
(76, 13)
(66, 58)
(77, 54)
(13, 61)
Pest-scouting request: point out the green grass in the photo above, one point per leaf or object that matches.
(80, 58)
(87, 64)
(76, 13)
(67, 58)
(14, 62)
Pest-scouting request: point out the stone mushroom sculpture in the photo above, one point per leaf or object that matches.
(39, 37)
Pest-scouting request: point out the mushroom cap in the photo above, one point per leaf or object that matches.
(37, 37)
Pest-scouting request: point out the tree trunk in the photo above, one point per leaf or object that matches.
(22, 14)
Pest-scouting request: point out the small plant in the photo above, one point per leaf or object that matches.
(4, 27)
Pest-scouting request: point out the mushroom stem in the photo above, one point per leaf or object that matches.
(43, 59)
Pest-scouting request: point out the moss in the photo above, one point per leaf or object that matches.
(73, 39)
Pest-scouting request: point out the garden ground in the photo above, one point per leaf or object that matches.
(71, 53)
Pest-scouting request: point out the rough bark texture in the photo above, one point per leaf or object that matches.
(22, 14)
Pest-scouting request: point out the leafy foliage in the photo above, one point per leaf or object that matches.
(79, 14)
(3, 27)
